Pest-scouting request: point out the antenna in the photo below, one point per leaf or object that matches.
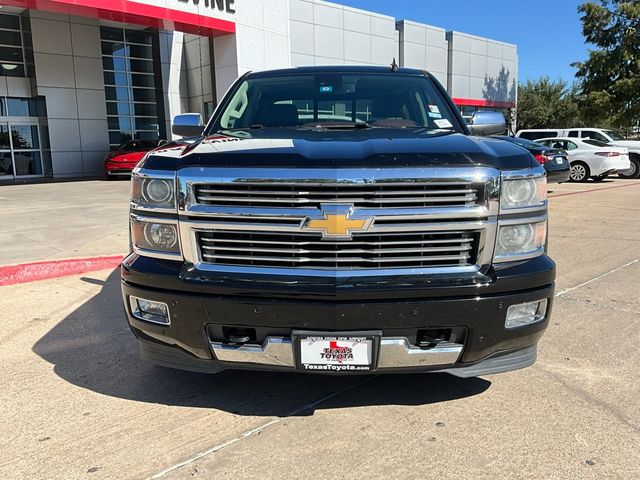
(394, 65)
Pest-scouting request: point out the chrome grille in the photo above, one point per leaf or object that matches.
(364, 251)
(257, 220)
(304, 195)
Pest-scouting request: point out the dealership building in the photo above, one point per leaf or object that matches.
(78, 77)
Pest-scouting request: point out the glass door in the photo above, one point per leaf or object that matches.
(20, 150)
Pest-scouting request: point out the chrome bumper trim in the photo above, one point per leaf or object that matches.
(277, 351)
(394, 353)
(398, 353)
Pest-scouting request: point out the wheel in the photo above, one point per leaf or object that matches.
(579, 172)
(633, 171)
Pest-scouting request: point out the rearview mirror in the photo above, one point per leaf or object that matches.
(487, 123)
(187, 125)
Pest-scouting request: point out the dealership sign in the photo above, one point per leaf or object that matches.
(220, 5)
(201, 17)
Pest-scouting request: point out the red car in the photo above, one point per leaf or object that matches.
(126, 156)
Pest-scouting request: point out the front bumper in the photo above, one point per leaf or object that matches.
(119, 168)
(202, 311)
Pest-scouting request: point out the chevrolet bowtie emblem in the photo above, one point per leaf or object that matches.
(337, 222)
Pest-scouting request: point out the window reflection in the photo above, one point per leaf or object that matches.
(11, 53)
(129, 84)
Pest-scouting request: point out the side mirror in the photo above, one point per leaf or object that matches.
(487, 123)
(187, 125)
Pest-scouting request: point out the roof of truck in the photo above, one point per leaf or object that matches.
(339, 69)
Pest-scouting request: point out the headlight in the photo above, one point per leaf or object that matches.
(520, 241)
(155, 237)
(153, 193)
(523, 192)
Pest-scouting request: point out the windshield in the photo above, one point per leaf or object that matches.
(334, 100)
(136, 145)
(615, 136)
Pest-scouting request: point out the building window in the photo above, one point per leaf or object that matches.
(11, 47)
(130, 85)
(23, 138)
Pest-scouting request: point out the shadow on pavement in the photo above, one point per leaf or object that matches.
(93, 348)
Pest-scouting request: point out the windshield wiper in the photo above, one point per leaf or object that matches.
(255, 126)
(339, 125)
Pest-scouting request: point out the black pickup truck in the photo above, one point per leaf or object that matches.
(339, 220)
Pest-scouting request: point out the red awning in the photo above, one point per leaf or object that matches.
(470, 102)
(127, 11)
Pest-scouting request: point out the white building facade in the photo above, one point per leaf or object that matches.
(79, 77)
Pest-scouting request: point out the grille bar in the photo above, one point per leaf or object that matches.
(392, 195)
(328, 242)
(228, 247)
(254, 258)
(218, 191)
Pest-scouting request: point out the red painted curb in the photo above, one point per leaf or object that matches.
(31, 272)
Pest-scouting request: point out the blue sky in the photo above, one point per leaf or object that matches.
(548, 33)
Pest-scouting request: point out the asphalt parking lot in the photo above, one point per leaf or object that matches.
(78, 403)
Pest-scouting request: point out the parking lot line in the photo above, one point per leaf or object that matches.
(596, 190)
(594, 279)
(31, 272)
(257, 430)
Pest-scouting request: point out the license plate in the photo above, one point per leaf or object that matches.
(339, 353)
(559, 160)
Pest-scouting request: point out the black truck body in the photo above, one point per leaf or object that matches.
(339, 246)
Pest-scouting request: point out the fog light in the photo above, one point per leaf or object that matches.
(526, 313)
(149, 310)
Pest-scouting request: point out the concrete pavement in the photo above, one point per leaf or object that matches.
(63, 220)
(78, 403)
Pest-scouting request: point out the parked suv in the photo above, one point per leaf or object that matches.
(610, 137)
(284, 236)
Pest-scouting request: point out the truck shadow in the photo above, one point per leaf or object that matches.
(93, 348)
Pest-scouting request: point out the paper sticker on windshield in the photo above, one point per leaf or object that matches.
(444, 123)
(434, 109)
(326, 89)
(435, 115)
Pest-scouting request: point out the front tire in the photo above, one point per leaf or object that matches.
(633, 171)
(579, 172)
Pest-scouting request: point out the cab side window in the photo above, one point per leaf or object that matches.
(592, 134)
(571, 146)
(573, 133)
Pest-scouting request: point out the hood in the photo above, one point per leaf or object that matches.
(126, 156)
(317, 148)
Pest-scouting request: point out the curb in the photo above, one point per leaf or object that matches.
(31, 272)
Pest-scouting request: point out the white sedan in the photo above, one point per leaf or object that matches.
(590, 158)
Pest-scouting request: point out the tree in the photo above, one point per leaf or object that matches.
(544, 103)
(610, 77)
